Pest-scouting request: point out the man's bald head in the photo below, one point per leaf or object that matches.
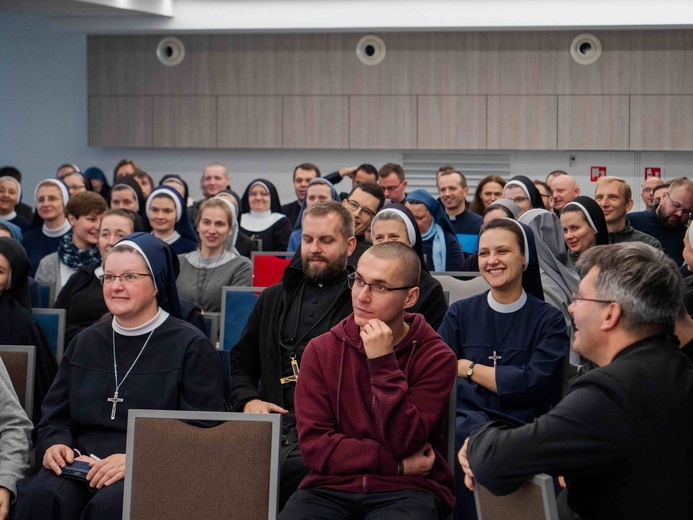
(565, 189)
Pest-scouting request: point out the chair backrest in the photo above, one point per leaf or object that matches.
(268, 266)
(451, 418)
(534, 500)
(52, 322)
(212, 326)
(236, 305)
(19, 360)
(175, 469)
(47, 292)
(460, 289)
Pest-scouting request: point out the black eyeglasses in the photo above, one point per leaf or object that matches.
(575, 297)
(355, 206)
(376, 288)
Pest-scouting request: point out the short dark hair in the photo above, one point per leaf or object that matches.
(408, 258)
(544, 185)
(369, 169)
(86, 203)
(463, 179)
(372, 188)
(11, 171)
(389, 168)
(325, 207)
(307, 166)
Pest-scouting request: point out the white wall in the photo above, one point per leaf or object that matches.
(43, 110)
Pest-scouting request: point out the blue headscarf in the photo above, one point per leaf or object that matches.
(440, 227)
(97, 174)
(183, 224)
(15, 230)
(162, 263)
(295, 239)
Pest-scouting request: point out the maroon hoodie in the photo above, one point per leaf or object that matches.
(358, 417)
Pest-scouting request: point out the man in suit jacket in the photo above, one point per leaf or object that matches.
(623, 435)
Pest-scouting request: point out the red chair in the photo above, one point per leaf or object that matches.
(268, 267)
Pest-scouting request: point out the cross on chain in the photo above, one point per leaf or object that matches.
(294, 368)
(495, 359)
(115, 400)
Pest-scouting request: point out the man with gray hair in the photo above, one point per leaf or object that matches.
(623, 435)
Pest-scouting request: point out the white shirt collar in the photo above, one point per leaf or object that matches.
(57, 232)
(507, 308)
(145, 328)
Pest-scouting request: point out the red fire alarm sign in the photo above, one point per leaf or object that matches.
(596, 172)
(653, 171)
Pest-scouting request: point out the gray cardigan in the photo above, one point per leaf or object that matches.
(15, 430)
(203, 286)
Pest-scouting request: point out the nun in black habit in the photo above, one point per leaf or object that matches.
(145, 357)
(17, 325)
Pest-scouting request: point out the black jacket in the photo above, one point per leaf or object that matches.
(257, 357)
(622, 437)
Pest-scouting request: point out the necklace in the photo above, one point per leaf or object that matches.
(115, 399)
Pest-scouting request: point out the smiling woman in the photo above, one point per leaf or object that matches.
(204, 272)
(510, 344)
(168, 220)
(78, 247)
(144, 357)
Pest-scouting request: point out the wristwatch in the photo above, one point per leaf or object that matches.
(470, 370)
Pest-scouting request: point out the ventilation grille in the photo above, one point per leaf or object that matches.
(421, 168)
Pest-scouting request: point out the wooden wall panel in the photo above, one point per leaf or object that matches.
(315, 122)
(250, 122)
(452, 122)
(382, 122)
(661, 63)
(612, 73)
(525, 65)
(120, 121)
(661, 123)
(522, 122)
(185, 122)
(593, 122)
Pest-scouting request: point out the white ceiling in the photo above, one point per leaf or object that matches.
(170, 16)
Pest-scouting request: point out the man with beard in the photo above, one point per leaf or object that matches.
(307, 303)
(667, 222)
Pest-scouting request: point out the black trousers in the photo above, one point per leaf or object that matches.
(329, 504)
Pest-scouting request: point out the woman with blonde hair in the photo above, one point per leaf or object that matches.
(205, 271)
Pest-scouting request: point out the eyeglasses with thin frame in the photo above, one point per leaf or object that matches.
(355, 206)
(648, 190)
(125, 278)
(519, 200)
(359, 283)
(679, 207)
(575, 297)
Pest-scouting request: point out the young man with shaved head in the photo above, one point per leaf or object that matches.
(370, 401)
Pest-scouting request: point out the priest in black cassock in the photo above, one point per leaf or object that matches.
(146, 357)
